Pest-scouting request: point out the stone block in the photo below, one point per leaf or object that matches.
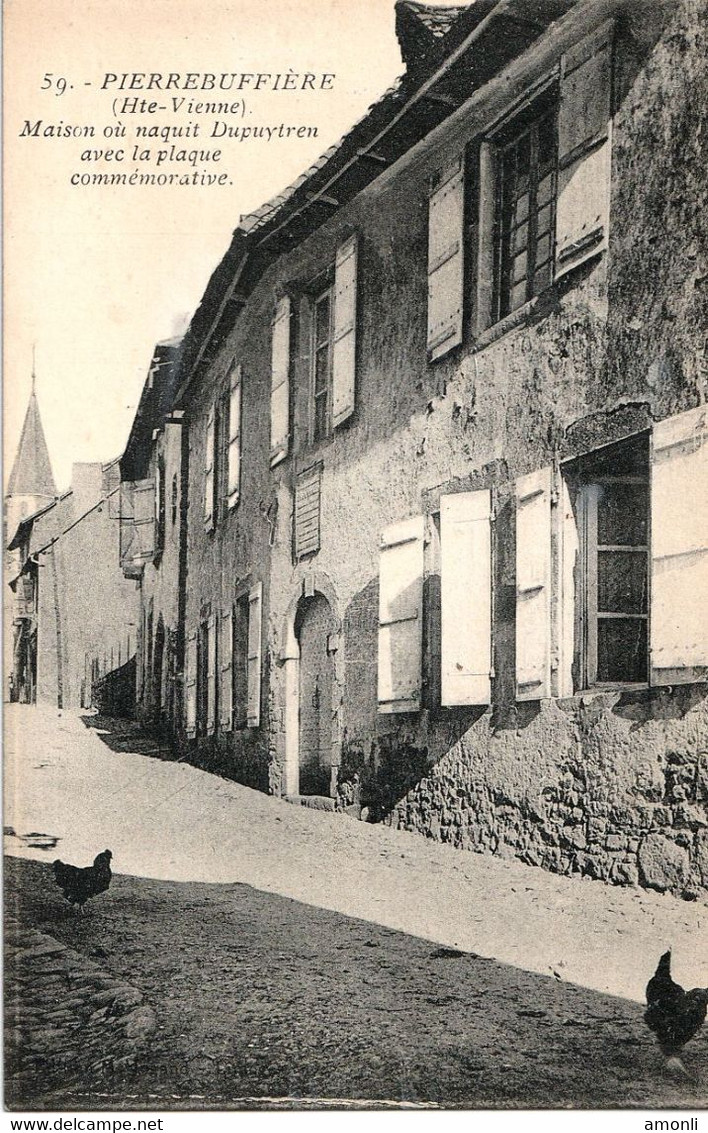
(663, 865)
(596, 829)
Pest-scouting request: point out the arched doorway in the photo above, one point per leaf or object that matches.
(314, 623)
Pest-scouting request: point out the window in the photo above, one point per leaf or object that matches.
(612, 565)
(160, 503)
(174, 500)
(526, 194)
(612, 510)
(321, 366)
(541, 181)
(240, 661)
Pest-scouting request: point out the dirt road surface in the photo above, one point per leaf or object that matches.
(288, 952)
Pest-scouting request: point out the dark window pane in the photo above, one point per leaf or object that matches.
(518, 296)
(519, 267)
(521, 209)
(542, 278)
(543, 250)
(622, 582)
(322, 322)
(621, 649)
(544, 195)
(622, 511)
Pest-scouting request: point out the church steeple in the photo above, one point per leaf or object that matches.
(32, 471)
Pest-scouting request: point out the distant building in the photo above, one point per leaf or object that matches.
(76, 617)
(152, 542)
(30, 487)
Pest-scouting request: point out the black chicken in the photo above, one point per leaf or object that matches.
(674, 1015)
(79, 884)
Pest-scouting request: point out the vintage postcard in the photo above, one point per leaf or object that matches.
(355, 648)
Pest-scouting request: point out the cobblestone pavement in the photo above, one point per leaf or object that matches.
(67, 1019)
(377, 980)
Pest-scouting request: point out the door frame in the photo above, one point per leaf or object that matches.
(312, 584)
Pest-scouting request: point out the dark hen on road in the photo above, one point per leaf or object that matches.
(78, 884)
(674, 1015)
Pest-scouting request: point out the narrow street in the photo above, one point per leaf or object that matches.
(291, 953)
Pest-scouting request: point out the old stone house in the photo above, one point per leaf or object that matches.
(446, 535)
(79, 615)
(151, 539)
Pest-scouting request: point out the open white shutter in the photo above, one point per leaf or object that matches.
(466, 597)
(445, 261)
(584, 150)
(233, 487)
(401, 616)
(344, 335)
(226, 687)
(190, 687)
(144, 513)
(533, 585)
(254, 655)
(280, 383)
(679, 549)
(209, 450)
(211, 676)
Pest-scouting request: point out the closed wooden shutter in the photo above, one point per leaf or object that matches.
(233, 486)
(190, 687)
(533, 585)
(400, 616)
(307, 512)
(584, 150)
(254, 655)
(209, 449)
(280, 383)
(137, 525)
(344, 332)
(679, 549)
(226, 687)
(484, 297)
(211, 676)
(466, 597)
(445, 261)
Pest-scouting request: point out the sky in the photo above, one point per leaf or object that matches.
(94, 276)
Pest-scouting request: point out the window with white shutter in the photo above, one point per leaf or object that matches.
(254, 655)
(679, 548)
(445, 261)
(233, 460)
(280, 383)
(209, 454)
(226, 670)
(609, 490)
(533, 585)
(400, 644)
(584, 150)
(344, 332)
(466, 597)
(190, 686)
